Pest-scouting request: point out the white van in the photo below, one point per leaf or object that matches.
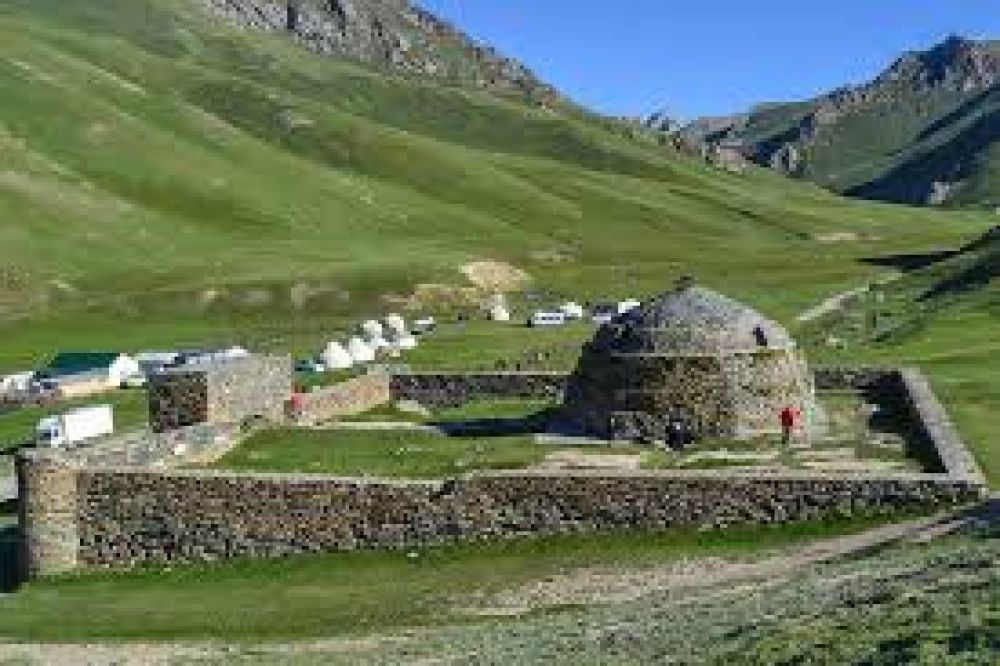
(545, 319)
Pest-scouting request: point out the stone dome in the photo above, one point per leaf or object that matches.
(692, 355)
(692, 321)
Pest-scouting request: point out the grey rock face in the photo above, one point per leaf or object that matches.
(386, 33)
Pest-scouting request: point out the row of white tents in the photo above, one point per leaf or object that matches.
(389, 336)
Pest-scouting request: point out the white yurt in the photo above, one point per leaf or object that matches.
(395, 326)
(499, 313)
(360, 351)
(372, 329)
(572, 310)
(336, 357)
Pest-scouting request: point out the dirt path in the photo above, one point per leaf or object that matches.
(609, 585)
(690, 578)
(837, 301)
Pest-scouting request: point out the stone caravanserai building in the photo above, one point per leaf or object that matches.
(690, 355)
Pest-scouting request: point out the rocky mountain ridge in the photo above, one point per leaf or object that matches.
(393, 34)
(855, 137)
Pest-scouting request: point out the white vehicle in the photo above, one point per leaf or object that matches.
(544, 319)
(628, 305)
(406, 342)
(311, 365)
(136, 381)
(76, 426)
(573, 311)
(425, 325)
(604, 313)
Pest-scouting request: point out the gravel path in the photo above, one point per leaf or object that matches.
(837, 301)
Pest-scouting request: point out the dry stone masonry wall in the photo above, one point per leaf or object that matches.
(355, 396)
(115, 511)
(128, 518)
(222, 392)
(435, 389)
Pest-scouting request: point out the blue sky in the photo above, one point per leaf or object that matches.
(707, 57)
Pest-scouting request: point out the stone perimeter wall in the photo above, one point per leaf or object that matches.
(355, 396)
(126, 518)
(441, 389)
(80, 514)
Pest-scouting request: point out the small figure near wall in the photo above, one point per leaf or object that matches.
(789, 417)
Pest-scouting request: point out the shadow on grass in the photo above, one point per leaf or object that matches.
(910, 262)
(893, 418)
(10, 558)
(533, 424)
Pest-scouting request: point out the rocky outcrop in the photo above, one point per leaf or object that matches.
(387, 33)
(937, 108)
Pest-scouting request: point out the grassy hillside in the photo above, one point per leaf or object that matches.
(168, 179)
(942, 316)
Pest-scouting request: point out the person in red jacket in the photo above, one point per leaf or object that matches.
(789, 417)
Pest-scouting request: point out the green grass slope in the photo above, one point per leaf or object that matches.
(170, 180)
(943, 317)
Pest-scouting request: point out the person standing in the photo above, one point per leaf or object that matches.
(788, 417)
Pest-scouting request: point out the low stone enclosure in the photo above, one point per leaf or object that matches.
(109, 511)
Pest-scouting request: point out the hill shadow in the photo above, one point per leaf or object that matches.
(951, 162)
(911, 261)
(499, 427)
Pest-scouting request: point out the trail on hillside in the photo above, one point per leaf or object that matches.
(839, 300)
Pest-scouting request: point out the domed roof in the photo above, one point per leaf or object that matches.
(691, 321)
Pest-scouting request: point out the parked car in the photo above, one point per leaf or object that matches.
(310, 365)
(545, 319)
(604, 313)
(423, 326)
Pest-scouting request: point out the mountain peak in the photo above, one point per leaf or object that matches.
(957, 62)
(393, 34)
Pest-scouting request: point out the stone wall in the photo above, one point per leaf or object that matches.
(221, 392)
(257, 386)
(112, 509)
(354, 396)
(440, 389)
(956, 459)
(48, 515)
(128, 517)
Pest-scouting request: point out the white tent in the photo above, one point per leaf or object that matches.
(372, 329)
(16, 384)
(499, 313)
(234, 352)
(335, 357)
(360, 351)
(572, 310)
(395, 326)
